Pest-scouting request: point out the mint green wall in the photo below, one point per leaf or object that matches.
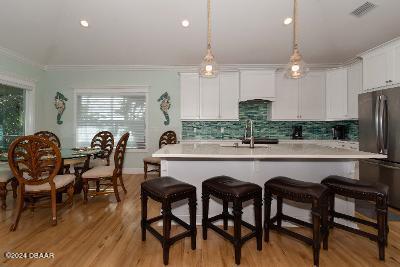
(65, 81)
(12, 67)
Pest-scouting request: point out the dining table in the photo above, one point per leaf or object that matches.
(77, 158)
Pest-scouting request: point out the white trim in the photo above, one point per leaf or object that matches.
(15, 81)
(132, 171)
(117, 89)
(180, 68)
(29, 87)
(20, 58)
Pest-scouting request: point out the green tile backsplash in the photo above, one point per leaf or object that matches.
(258, 111)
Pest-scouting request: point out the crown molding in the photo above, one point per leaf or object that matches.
(20, 58)
(17, 81)
(178, 68)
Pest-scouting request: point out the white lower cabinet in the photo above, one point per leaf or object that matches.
(210, 98)
(302, 99)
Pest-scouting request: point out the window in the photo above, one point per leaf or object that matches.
(12, 114)
(117, 112)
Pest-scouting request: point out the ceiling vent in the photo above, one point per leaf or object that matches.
(363, 9)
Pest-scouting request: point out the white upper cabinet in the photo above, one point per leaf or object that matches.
(381, 66)
(336, 94)
(302, 99)
(312, 96)
(286, 106)
(257, 84)
(229, 96)
(190, 96)
(210, 98)
(354, 87)
(376, 69)
(396, 63)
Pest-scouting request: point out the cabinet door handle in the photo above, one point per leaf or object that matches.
(390, 81)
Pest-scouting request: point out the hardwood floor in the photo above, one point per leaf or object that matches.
(104, 233)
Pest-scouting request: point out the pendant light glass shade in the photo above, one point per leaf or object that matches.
(208, 67)
(296, 68)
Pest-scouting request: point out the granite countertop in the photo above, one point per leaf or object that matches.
(277, 151)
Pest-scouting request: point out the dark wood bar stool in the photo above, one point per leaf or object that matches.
(304, 192)
(376, 192)
(232, 190)
(168, 190)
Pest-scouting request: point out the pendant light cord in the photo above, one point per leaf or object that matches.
(209, 24)
(295, 44)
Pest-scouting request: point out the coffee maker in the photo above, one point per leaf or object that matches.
(339, 132)
(297, 132)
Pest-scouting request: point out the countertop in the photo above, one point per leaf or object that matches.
(277, 151)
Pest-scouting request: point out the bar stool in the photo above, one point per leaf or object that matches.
(362, 190)
(228, 190)
(304, 192)
(168, 190)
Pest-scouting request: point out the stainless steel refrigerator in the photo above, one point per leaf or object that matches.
(379, 132)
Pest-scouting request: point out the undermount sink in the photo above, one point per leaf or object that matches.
(245, 146)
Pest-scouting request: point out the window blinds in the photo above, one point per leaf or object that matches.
(115, 113)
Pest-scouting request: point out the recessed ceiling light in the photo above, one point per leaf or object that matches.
(287, 21)
(185, 23)
(84, 23)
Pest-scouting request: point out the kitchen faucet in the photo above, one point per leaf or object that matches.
(251, 137)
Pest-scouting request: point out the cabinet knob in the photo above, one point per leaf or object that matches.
(390, 81)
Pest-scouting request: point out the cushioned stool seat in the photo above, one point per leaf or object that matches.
(168, 190)
(303, 192)
(228, 190)
(362, 190)
(230, 186)
(350, 187)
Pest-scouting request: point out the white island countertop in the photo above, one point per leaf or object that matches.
(276, 151)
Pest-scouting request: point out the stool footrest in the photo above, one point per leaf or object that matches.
(230, 217)
(221, 232)
(300, 237)
(354, 219)
(155, 219)
(356, 231)
(296, 221)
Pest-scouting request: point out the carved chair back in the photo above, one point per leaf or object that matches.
(119, 155)
(34, 160)
(49, 136)
(105, 141)
(167, 138)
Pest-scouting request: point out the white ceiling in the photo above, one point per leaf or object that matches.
(148, 32)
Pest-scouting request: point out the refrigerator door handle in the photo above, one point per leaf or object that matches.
(377, 120)
(383, 124)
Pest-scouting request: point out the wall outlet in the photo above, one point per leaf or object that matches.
(222, 129)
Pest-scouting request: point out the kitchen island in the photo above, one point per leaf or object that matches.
(193, 163)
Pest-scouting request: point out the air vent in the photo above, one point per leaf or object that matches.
(363, 9)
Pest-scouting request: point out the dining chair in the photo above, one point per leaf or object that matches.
(6, 177)
(105, 141)
(167, 138)
(35, 162)
(110, 174)
(49, 136)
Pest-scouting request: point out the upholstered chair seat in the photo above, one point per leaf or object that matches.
(98, 162)
(152, 160)
(99, 172)
(59, 181)
(5, 174)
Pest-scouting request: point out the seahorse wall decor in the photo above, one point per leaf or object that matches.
(59, 103)
(165, 105)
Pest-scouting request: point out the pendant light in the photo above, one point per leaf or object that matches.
(296, 67)
(208, 66)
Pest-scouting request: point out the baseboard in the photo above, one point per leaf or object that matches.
(132, 170)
